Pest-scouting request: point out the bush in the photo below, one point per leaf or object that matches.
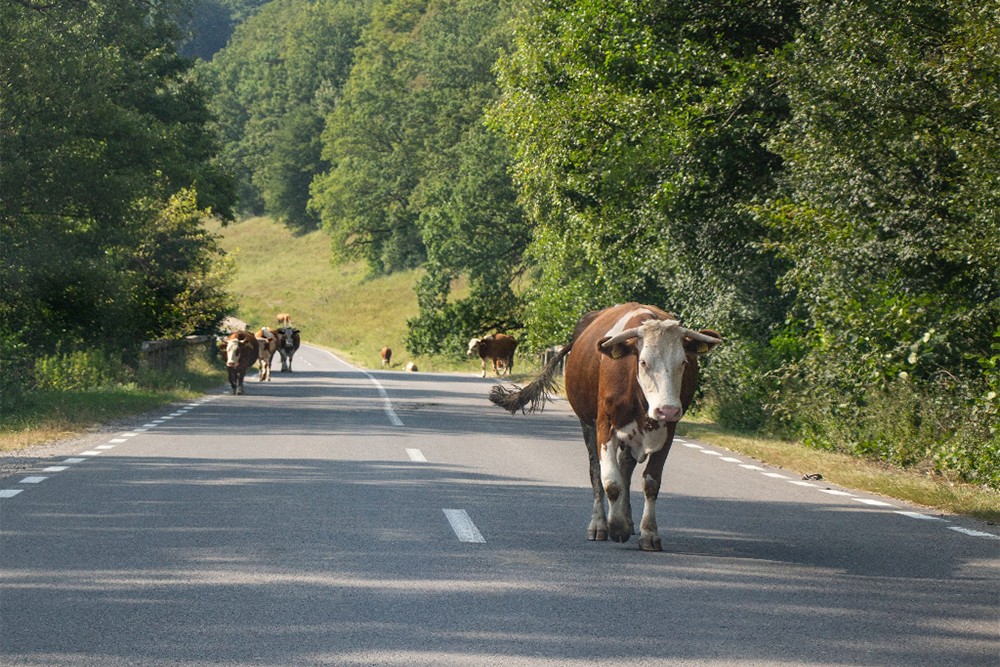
(89, 369)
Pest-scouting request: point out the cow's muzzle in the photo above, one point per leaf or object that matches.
(668, 413)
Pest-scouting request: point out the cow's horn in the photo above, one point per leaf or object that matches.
(698, 336)
(622, 337)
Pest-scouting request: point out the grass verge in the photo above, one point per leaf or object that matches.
(852, 472)
(46, 416)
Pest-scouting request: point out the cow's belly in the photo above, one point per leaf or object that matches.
(642, 444)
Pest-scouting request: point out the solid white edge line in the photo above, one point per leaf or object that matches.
(918, 515)
(463, 526)
(393, 418)
(869, 501)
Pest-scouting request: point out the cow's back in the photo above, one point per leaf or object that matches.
(583, 366)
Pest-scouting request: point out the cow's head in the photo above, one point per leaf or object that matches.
(286, 337)
(473, 347)
(232, 351)
(664, 348)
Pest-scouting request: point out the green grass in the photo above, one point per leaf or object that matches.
(45, 416)
(337, 306)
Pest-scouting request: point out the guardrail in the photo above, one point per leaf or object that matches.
(166, 352)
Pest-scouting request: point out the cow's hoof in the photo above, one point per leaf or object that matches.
(597, 535)
(651, 543)
(619, 531)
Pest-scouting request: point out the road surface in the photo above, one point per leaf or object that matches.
(341, 517)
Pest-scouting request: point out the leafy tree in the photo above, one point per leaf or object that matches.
(212, 24)
(890, 213)
(102, 123)
(638, 130)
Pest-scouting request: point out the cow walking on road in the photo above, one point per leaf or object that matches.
(290, 341)
(241, 353)
(632, 375)
(498, 348)
(268, 342)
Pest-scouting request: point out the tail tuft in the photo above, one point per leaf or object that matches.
(533, 397)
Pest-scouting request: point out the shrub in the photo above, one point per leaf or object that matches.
(89, 369)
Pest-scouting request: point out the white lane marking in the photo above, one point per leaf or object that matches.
(729, 459)
(176, 414)
(167, 417)
(710, 452)
(55, 468)
(918, 515)
(74, 460)
(105, 446)
(149, 425)
(140, 430)
(834, 492)
(750, 467)
(692, 446)
(393, 418)
(129, 435)
(869, 501)
(9, 493)
(973, 533)
(463, 526)
(796, 482)
(416, 455)
(89, 452)
(774, 474)
(156, 421)
(33, 480)
(118, 440)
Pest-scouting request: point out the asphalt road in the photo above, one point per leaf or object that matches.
(336, 517)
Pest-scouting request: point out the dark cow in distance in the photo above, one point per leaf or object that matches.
(241, 353)
(290, 341)
(386, 356)
(632, 375)
(498, 348)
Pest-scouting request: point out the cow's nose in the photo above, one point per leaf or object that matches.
(668, 413)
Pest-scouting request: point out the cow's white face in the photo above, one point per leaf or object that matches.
(662, 361)
(232, 351)
(664, 347)
(286, 333)
(473, 347)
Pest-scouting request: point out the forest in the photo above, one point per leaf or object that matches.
(817, 180)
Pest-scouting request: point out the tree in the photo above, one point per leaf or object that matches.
(638, 130)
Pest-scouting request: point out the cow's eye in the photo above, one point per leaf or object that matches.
(642, 362)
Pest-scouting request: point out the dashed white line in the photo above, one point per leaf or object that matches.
(729, 459)
(870, 501)
(105, 446)
(973, 533)
(74, 459)
(118, 440)
(9, 493)
(918, 515)
(834, 492)
(149, 425)
(710, 452)
(691, 445)
(750, 467)
(33, 480)
(798, 483)
(90, 452)
(775, 475)
(463, 526)
(416, 455)
(55, 468)
(129, 435)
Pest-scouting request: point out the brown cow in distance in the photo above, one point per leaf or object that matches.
(498, 348)
(632, 374)
(386, 356)
(241, 353)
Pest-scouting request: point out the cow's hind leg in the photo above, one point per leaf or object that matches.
(598, 528)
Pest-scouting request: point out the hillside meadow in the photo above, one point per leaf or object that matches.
(337, 306)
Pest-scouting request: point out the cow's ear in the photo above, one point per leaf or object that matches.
(693, 346)
(616, 351)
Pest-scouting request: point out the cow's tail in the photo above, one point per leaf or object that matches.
(533, 397)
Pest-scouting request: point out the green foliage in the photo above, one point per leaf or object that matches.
(87, 369)
(638, 130)
(280, 74)
(213, 22)
(102, 124)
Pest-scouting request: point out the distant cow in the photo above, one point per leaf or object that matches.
(632, 374)
(269, 342)
(241, 353)
(498, 348)
(412, 367)
(386, 356)
(290, 341)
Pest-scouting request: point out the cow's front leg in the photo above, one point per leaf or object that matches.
(652, 476)
(598, 528)
(239, 383)
(626, 464)
(619, 523)
(232, 378)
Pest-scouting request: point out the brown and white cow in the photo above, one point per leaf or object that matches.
(241, 353)
(631, 376)
(269, 342)
(498, 348)
(290, 341)
(386, 356)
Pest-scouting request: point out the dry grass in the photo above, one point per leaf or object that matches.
(854, 473)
